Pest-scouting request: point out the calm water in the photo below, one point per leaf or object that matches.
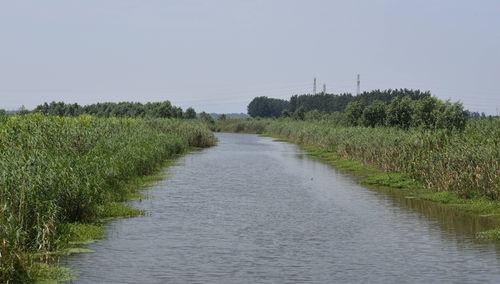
(253, 210)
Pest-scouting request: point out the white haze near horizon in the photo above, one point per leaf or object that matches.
(217, 55)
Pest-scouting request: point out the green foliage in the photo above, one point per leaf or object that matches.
(400, 112)
(329, 103)
(45, 273)
(299, 114)
(285, 113)
(121, 109)
(77, 233)
(490, 235)
(425, 112)
(401, 108)
(57, 170)
(22, 111)
(450, 116)
(314, 115)
(206, 118)
(321, 102)
(374, 114)
(354, 111)
(466, 162)
(266, 107)
(190, 113)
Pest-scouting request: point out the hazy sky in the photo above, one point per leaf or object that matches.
(217, 55)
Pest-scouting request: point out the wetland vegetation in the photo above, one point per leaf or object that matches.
(61, 176)
(66, 168)
(432, 149)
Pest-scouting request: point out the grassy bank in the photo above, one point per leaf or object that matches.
(458, 168)
(58, 173)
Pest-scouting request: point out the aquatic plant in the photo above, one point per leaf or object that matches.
(58, 170)
(464, 162)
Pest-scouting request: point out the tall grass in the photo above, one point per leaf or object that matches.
(56, 170)
(465, 162)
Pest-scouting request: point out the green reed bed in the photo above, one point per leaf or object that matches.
(56, 171)
(466, 163)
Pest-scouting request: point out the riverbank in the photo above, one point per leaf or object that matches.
(459, 170)
(62, 177)
(256, 210)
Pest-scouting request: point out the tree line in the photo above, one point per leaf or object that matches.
(121, 109)
(326, 103)
(404, 112)
(402, 108)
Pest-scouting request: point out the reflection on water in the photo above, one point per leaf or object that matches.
(255, 210)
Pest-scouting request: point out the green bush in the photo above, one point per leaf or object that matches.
(374, 114)
(354, 111)
(400, 112)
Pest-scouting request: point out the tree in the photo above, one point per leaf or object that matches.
(400, 112)
(190, 113)
(205, 117)
(222, 117)
(451, 116)
(285, 113)
(313, 115)
(425, 112)
(299, 114)
(266, 107)
(354, 111)
(23, 111)
(122, 109)
(374, 114)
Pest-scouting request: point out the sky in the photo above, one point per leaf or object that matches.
(217, 55)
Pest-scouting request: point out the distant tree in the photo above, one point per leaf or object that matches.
(354, 111)
(190, 113)
(451, 116)
(122, 109)
(222, 117)
(205, 117)
(3, 115)
(22, 110)
(325, 103)
(313, 115)
(374, 114)
(285, 113)
(266, 107)
(329, 103)
(400, 112)
(425, 112)
(299, 114)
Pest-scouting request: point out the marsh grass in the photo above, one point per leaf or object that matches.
(456, 169)
(59, 176)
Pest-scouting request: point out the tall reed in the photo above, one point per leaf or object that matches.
(56, 170)
(465, 162)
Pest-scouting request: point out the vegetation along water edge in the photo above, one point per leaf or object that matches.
(459, 168)
(62, 176)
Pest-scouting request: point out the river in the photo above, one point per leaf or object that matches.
(254, 210)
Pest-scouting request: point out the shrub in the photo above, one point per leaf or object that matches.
(374, 114)
(354, 111)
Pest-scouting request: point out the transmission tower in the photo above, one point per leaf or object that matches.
(314, 87)
(324, 89)
(358, 86)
